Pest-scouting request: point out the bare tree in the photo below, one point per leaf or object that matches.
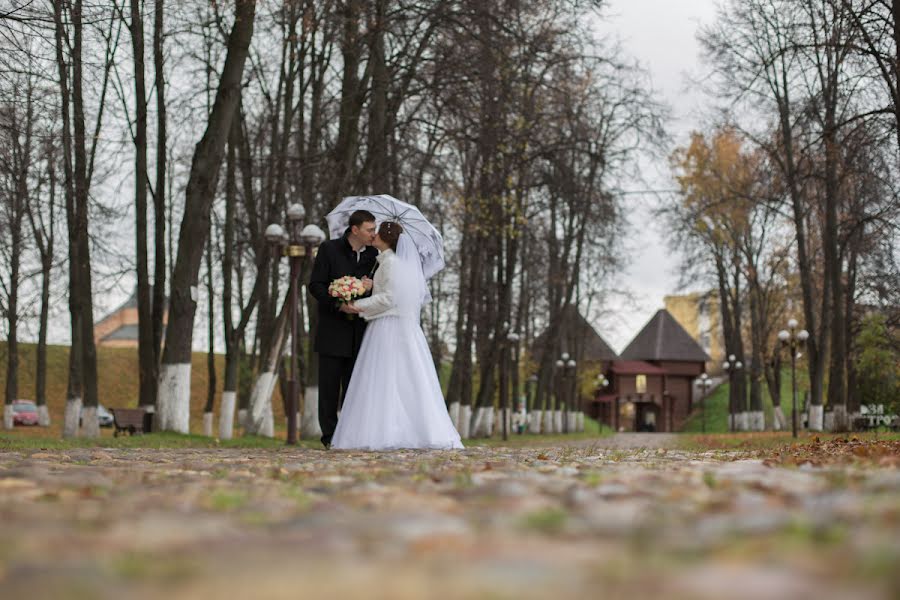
(174, 399)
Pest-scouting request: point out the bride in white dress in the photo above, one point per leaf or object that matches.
(394, 399)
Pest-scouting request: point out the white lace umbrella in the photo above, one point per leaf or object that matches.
(427, 239)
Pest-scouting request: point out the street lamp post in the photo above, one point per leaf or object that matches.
(731, 366)
(601, 382)
(297, 244)
(791, 338)
(705, 383)
(534, 424)
(566, 366)
(557, 417)
(510, 354)
(572, 417)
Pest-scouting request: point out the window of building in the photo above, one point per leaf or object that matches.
(640, 384)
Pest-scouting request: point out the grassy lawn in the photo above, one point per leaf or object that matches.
(717, 404)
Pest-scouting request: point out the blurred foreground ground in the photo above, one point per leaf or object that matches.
(623, 516)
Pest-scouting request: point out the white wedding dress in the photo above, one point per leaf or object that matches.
(394, 399)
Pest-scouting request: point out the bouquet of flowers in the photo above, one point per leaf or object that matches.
(346, 289)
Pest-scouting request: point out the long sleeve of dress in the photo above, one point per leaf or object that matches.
(382, 298)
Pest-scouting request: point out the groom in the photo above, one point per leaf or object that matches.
(339, 335)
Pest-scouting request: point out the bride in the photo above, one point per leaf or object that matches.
(394, 399)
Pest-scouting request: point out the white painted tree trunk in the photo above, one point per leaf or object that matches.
(43, 416)
(226, 415)
(547, 422)
(816, 417)
(208, 424)
(309, 426)
(757, 420)
(242, 419)
(534, 422)
(7, 416)
(484, 422)
(90, 425)
(71, 417)
(779, 422)
(572, 422)
(453, 410)
(465, 420)
(557, 421)
(579, 427)
(174, 400)
(260, 420)
(477, 423)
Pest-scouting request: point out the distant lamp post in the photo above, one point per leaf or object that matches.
(510, 354)
(297, 243)
(530, 398)
(731, 366)
(601, 382)
(704, 382)
(566, 365)
(791, 338)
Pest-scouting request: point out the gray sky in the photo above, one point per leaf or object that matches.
(660, 34)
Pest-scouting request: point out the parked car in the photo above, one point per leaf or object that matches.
(103, 415)
(25, 412)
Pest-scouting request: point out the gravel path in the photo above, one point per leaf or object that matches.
(621, 517)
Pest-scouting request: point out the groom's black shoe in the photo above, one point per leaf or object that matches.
(327, 444)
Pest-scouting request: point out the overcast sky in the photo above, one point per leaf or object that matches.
(661, 35)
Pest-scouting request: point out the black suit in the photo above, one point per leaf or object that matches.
(338, 337)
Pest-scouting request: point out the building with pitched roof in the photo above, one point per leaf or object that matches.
(651, 385)
(120, 327)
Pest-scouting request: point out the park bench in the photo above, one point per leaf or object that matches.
(128, 419)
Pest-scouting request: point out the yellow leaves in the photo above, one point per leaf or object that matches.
(717, 179)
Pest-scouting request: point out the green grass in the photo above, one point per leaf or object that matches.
(717, 404)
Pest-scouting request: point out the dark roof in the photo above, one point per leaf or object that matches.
(662, 338)
(131, 302)
(125, 332)
(578, 337)
(635, 367)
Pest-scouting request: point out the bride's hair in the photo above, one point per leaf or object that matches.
(390, 232)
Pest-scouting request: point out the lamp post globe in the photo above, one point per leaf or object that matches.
(274, 233)
(312, 235)
(803, 335)
(792, 324)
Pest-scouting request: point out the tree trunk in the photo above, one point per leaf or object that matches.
(147, 375)
(174, 396)
(74, 389)
(211, 354)
(159, 197)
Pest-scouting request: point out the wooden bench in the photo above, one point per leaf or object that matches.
(129, 420)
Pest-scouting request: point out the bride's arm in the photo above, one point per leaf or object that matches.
(382, 298)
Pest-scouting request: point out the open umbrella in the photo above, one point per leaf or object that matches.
(427, 239)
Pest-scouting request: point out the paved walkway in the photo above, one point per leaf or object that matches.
(588, 520)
